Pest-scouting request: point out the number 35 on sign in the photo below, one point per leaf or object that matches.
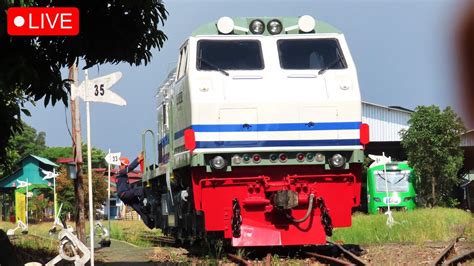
(99, 90)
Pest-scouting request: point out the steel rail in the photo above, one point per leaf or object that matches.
(461, 258)
(159, 239)
(327, 259)
(351, 256)
(445, 253)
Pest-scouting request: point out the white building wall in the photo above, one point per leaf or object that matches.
(384, 122)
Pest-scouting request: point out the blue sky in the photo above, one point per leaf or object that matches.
(402, 50)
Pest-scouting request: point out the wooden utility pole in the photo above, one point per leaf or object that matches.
(77, 150)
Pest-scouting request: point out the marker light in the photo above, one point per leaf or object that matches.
(319, 157)
(300, 157)
(256, 158)
(225, 25)
(273, 157)
(246, 158)
(309, 156)
(337, 160)
(236, 159)
(283, 157)
(306, 23)
(218, 162)
(257, 26)
(274, 26)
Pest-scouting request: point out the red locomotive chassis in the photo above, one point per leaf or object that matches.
(260, 221)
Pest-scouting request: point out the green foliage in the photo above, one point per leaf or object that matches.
(42, 199)
(432, 146)
(418, 226)
(65, 191)
(20, 145)
(111, 31)
(54, 153)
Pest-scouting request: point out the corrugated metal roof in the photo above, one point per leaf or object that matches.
(385, 122)
(44, 160)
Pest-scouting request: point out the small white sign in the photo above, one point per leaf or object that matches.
(113, 158)
(22, 184)
(99, 90)
(379, 160)
(49, 174)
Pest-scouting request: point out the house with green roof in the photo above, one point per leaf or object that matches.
(29, 171)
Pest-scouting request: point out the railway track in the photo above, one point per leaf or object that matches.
(347, 257)
(159, 240)
(334, 254)
(442, 258)
(237, 259)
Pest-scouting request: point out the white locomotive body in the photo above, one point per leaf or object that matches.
(247, 101)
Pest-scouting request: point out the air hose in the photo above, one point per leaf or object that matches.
(306, 216)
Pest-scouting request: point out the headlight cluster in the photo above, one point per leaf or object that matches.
(226, 25)
(257, 26)
(335, 161)
(274, 26)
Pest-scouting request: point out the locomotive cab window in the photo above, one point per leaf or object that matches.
(220, 55)
(182, 63)
(397, 181)
(311, 54)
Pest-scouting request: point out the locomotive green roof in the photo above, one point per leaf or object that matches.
(211, 28)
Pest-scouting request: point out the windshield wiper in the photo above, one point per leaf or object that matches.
(403, 177)
(330, 65)
(213, 66)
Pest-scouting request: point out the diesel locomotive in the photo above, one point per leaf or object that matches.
(259, 137)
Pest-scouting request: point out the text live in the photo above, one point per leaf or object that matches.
(39, 21)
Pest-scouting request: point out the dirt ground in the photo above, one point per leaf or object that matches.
(398, 254)
(388, 254)
(122, 253)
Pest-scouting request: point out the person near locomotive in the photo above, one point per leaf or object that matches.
(133, 196)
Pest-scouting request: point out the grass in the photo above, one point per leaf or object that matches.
(419, 226)
(134, 232)
(416, 227)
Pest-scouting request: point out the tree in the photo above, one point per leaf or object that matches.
(21, 145)
(65, 191)
(111, 31)
(432, 145)
(54, 153)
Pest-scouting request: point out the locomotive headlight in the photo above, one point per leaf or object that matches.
(257, 26)
(306, 23)
(225, 25)
(218, 162)
(274, 26)
(337, 160)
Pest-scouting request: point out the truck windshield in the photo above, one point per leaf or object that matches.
(397, 181)
(229, 55)
(310, 54)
